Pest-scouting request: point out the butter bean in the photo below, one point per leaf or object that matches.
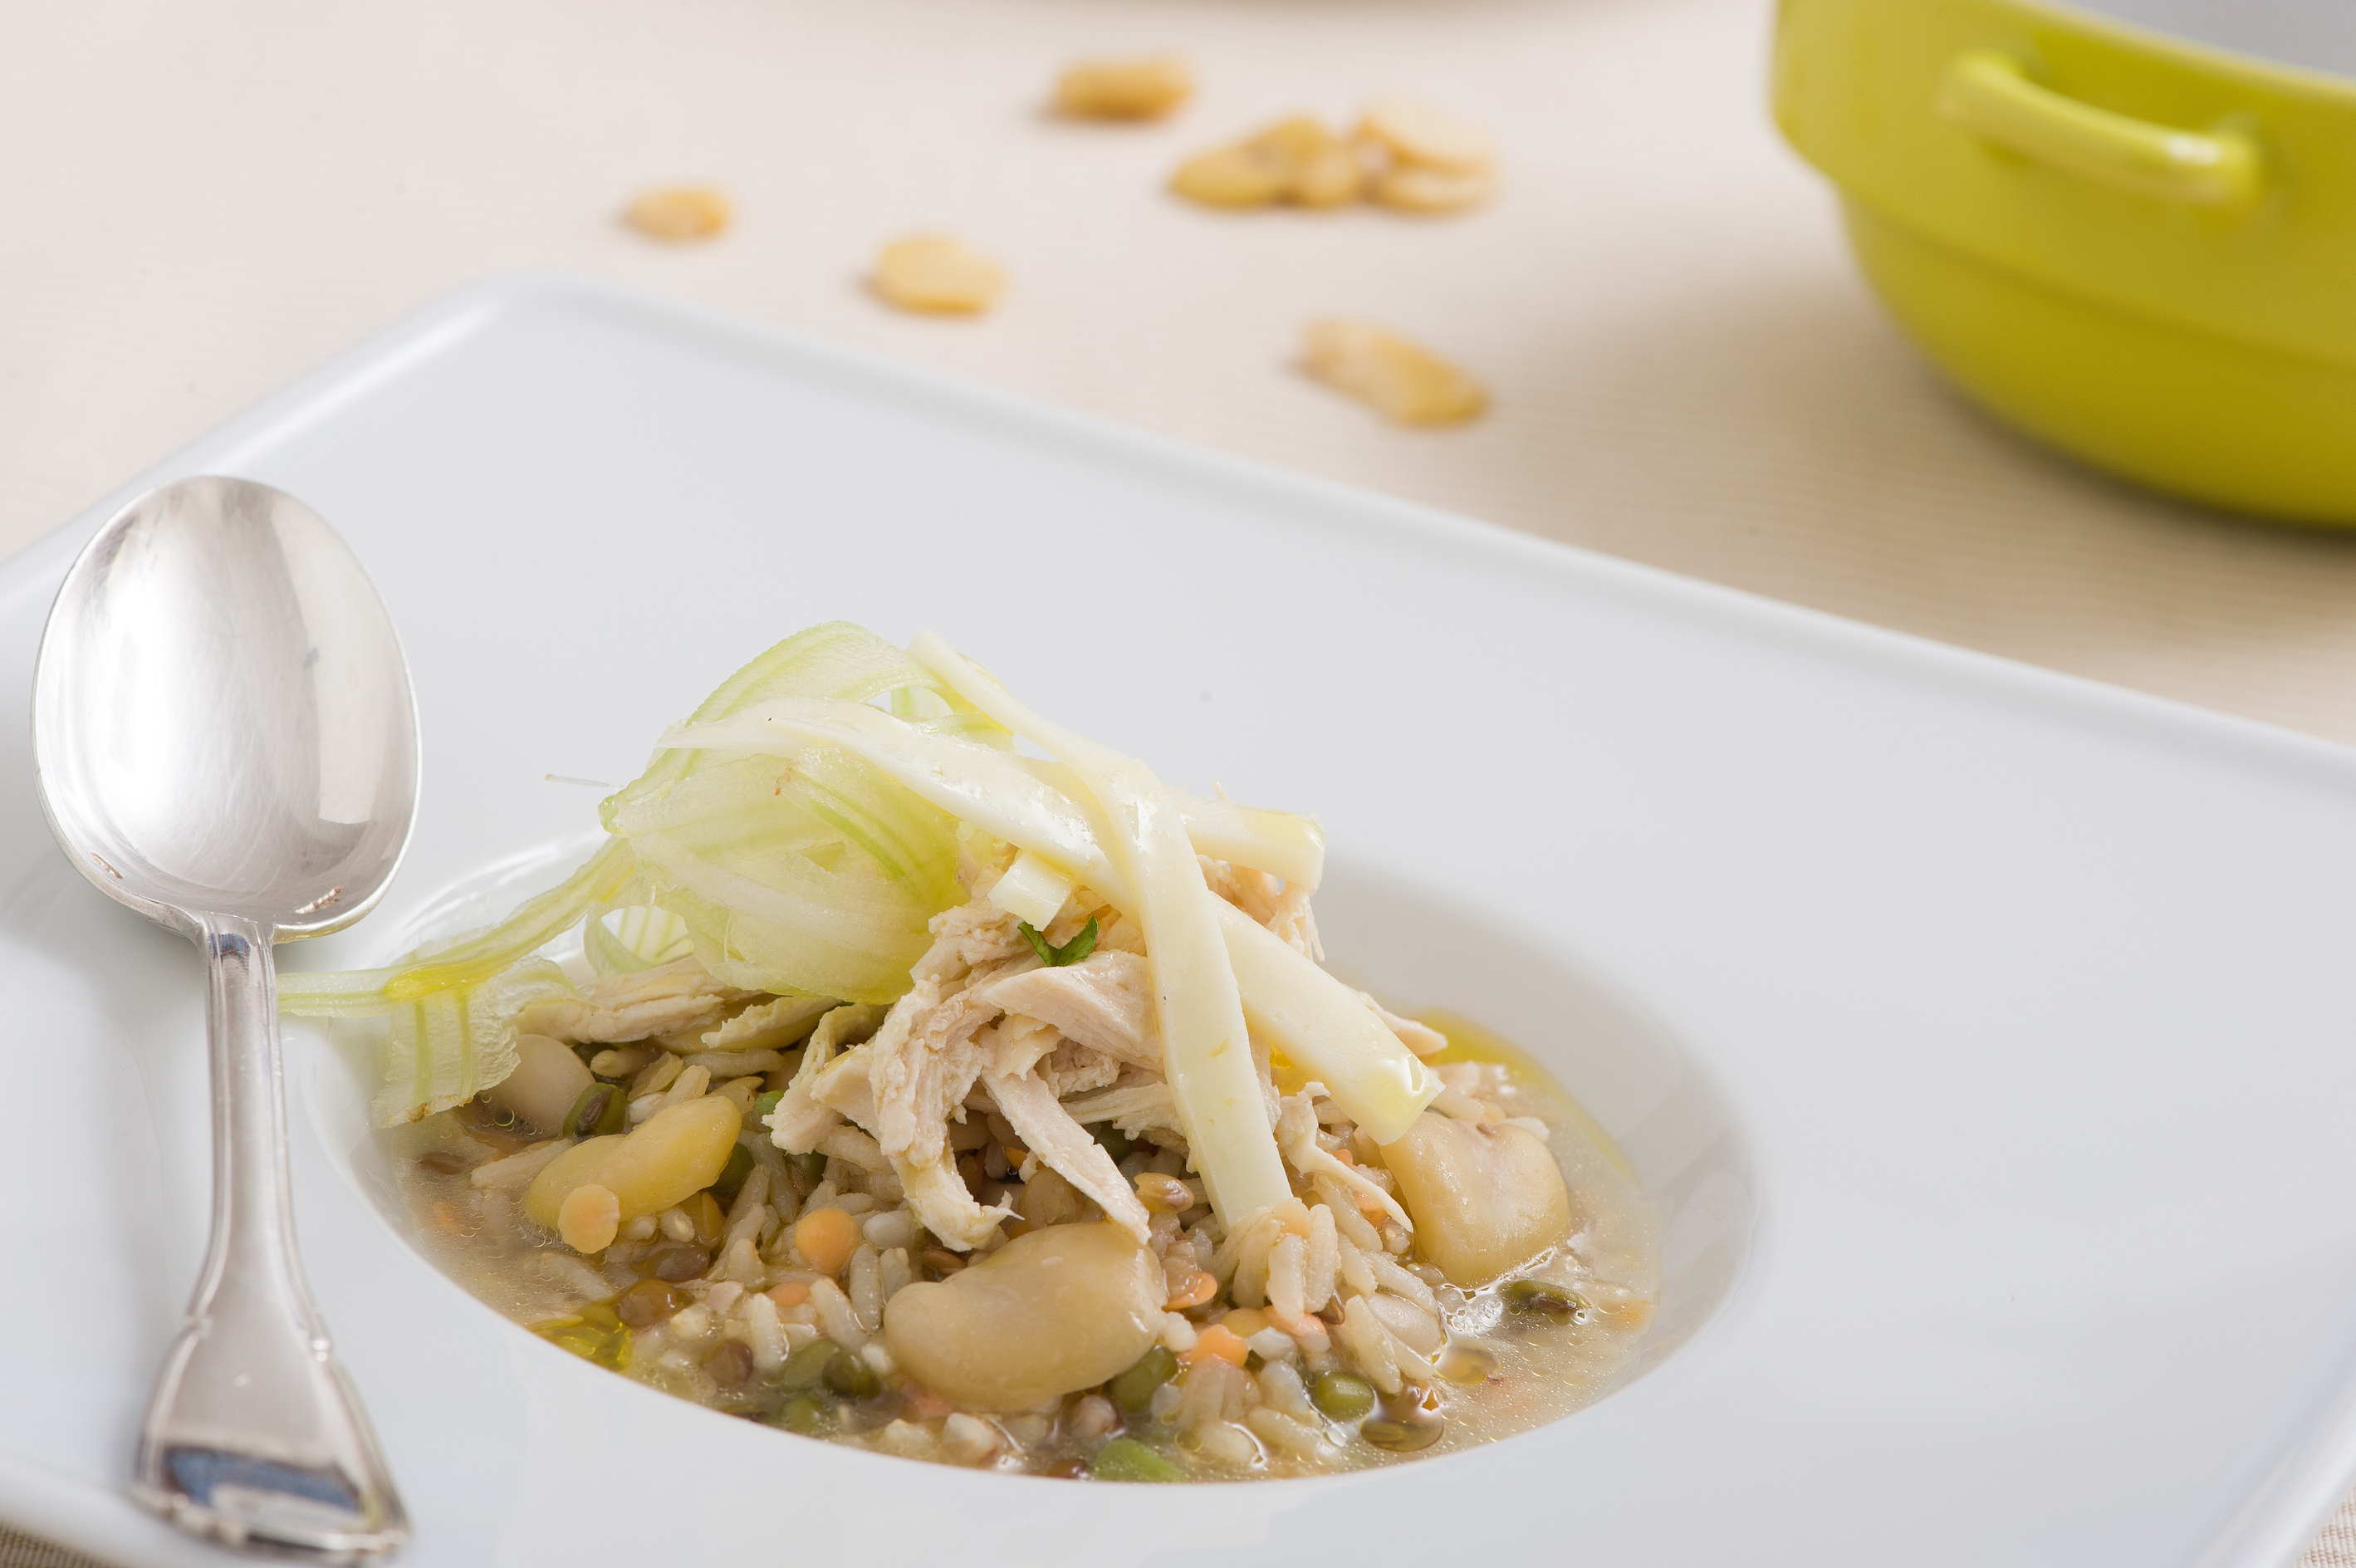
(1262, 168)
(1416, 133)
(1413, 188)
(1405, 382)
(1144, 89)
(667, 1159)
(1051, 1312)
(1484, 1200)
(685, 213)
(938, 275)
(547, 1080)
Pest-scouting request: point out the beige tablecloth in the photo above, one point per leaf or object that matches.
(197, 203)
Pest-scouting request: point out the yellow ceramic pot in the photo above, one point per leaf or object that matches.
(2140, 248)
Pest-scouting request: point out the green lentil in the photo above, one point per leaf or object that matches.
(732, 1175)
(1126, 1459)
(1537, 1295)
(601, 1108)
(851, 1377)
(1403, 1436)
(1345, 1396)
(1133, 1389)
(807, 1365)
(802, 1413)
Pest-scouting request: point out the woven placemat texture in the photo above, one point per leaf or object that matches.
(19, 1550)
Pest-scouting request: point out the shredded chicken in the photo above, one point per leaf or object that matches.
(1422, 1038)
(1281, 906)
(1136, 1108)
(803, 1115)
(772, 1025)
(938, 1196)
(1016, 1044)
(920, 1066)
(1063, 1145)
(1296, 1134)
(619, 1008)
(1074, 1068)
(1103, 1001)
(986, 1026)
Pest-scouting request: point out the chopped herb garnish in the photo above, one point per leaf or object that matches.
(1054, 957)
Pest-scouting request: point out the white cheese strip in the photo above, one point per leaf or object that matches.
(1032, 890)
(1206, 1049)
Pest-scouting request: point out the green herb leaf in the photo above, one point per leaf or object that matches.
(1053, 957)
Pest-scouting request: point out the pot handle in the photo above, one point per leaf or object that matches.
(1989, 95)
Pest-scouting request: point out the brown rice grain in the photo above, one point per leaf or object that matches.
(514, 1173)
(656, 1078)
(836, 1318)
(1288, 1283)
(1391, 1277)
(765, 1334)
(894, 1272)
(1369, 1345)
(1319, 1261)
(865, 1278)
(969, 1439)
(1411, 1325)
(689, 1085)
(1347, 1220)
(1295, 1437)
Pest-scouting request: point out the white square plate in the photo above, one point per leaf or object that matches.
(1985, 1036)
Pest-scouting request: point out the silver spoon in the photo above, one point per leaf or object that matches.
(227, 743)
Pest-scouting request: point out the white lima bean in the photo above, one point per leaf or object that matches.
(673, 1155)
(1403, 380)
(938, 275)
(1050, 1313)
(1139, 88)
(1484, 1200)
(547, 1080)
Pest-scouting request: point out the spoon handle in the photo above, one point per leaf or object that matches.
(254, 1435)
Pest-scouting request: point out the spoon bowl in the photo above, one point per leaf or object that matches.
(222, 716)
(227, 743)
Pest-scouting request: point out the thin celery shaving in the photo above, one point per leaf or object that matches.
(477, 959)
(836, 660)
(449, 1045)
(634, 936)
(818, 879)
(1206, 1049)
(1037, 805)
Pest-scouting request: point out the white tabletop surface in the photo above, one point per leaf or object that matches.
(198, 203)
